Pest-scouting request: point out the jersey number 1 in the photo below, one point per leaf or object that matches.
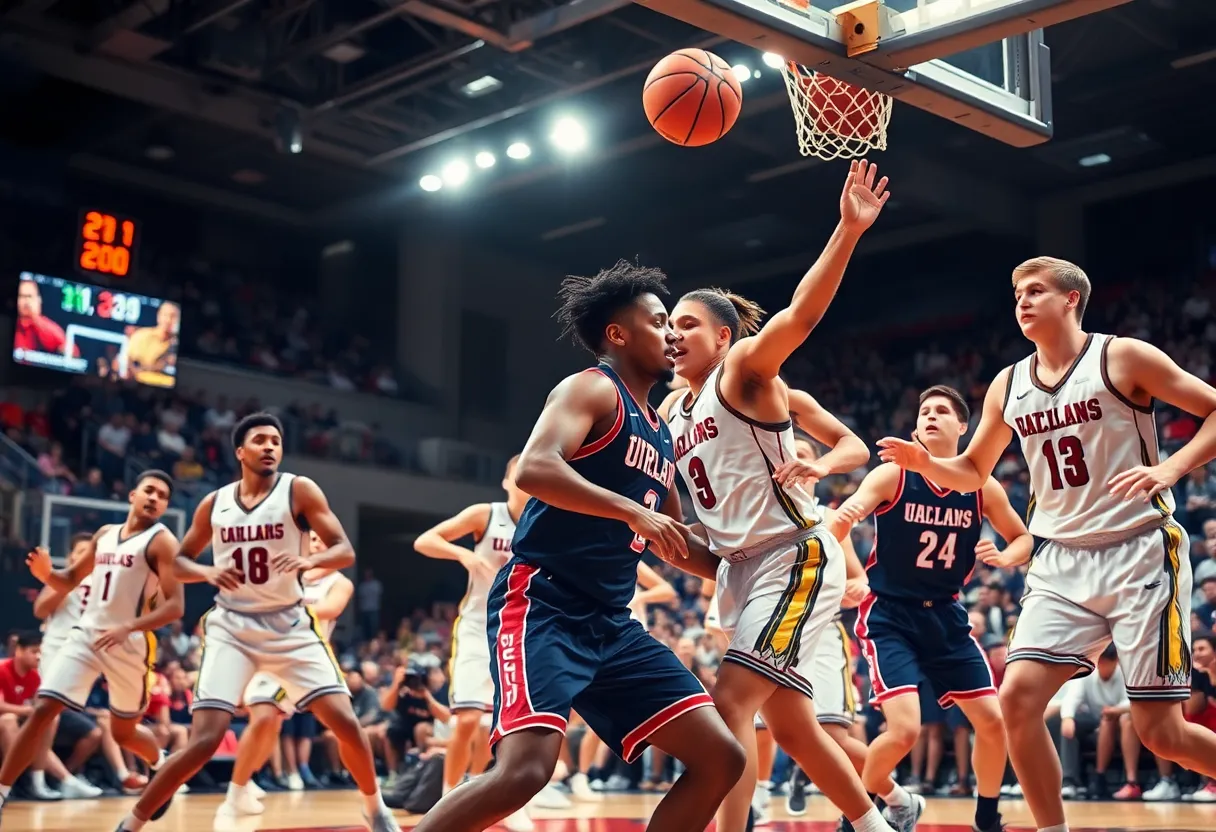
(257, 571)
(651, 501)
(946, 554)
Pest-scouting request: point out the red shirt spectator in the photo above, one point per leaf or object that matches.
(158, 697)
(16, 687)
(36, 332)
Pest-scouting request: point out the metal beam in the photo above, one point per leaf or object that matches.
(136, 14)
(339, 34)
(162, 87)
(395, 75)
(524, 33)
(217, 11)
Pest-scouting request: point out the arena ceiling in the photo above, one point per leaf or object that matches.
(192, 96)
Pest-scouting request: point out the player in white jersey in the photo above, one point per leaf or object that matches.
(1113, 565)
(491, 525)
(256, 528)
(782, 574)
(60, 611)
(113, 637)
(326, 593)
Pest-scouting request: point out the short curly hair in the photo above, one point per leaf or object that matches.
(589, 303)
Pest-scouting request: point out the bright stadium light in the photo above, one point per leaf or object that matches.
(772, 60)
(430, 183)
(519, 150)
(484, 159)
(455, 173)
(742, 72)
(569, 135)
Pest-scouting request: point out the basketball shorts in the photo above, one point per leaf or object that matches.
(286, 644)
(556, 649)
(472, 686)
(51, 645)
(1136, 593)
(264, 689)
(905, 641)
(774, 608)
(713, 621)
(69, 677)
(832, 677)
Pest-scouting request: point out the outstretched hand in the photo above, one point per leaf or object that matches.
(862, 200)
(911, 456)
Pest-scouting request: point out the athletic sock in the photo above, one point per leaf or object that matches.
(160, 760)
(131, 823)
(1063, 827)
(985, 811)
(897, 797)
(235, 791)
(4, 792)
(871, 821)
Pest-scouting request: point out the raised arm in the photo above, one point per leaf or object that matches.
(1151, 374)
(334, 603)
(310, 501)
(972, 468)
(162, 552)
(436, 542)
(47, 602)
(571, 413)
(762, 355)
(846, 451)
(64, 580)
(879, 486)
(1019, 544)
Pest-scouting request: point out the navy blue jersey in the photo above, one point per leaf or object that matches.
(924, 542)
(595, 555)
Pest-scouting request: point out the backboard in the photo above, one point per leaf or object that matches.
(980, 63)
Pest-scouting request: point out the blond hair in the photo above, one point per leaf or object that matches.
(1065, 275)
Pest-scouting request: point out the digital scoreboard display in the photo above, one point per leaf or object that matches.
(106, 243)
(82, 328)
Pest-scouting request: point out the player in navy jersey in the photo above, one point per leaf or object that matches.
(600, 467)
(925, 546)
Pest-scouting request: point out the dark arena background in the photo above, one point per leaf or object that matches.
(356, 213)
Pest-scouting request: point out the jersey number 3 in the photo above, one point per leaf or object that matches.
(700, 482)
(651, 501)
(946, 554)
(1066, 457)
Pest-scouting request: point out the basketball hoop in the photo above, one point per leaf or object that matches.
(834, 119)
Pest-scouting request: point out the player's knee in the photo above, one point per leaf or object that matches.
(525, 778)
(903, 733)
(46, 710)
(208, 737)
(1163, 737)
(1019, 704)
(467, 722)
(986, 719)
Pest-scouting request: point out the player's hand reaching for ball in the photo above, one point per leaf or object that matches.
(39, 562)
(862, 199)
(666, 537)
(796, 472)
(987, 552)
(229, 579)
(911, 456)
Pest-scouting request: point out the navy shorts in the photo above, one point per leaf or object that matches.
(301, 725)
(932, 713)
(554, 649)
(906, 641)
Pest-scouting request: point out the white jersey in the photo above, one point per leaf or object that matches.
(637, 609)
(248, 537)
(727, 460)
(1075, 437)
(315, 592)
(124, 582)
(59, 623)
(494, 548)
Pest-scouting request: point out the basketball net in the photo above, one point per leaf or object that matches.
(834, 119)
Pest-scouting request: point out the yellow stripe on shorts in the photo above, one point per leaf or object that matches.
(850, 702)
(781, 636)
(1173, 657)
(329, 651)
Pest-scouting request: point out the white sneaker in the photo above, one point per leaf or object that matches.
(294, 782)
(617, 783)
(762, 796)
(254, 789)
(41, 791)
(184, 788)
(241, 804)
(1204, 794)
(760, 816)
(519, 821)
(1166, 789)
(77, 788)
(581, 788)
(550, 798)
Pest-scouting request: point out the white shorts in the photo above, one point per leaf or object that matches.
(472, 686)
(1136, 593)
(775, 607)
(70, 675)
(264, 689)
(712, 620)
(285, 644)
(832, 676)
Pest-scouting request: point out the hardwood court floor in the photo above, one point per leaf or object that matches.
(339, 812)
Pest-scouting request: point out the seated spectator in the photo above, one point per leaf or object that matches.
(366, 704)
(112, 441)
(188, 469)
(52, 466)
(171, 442)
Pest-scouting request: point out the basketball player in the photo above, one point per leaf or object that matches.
(256, 530)
(491, 525)
(326, 594)
(600, 469)
(1114, 563)
(782, 574)
(114, 635)
(912, 624)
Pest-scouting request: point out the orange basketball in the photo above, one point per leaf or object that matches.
(692, 98)
(842, 109)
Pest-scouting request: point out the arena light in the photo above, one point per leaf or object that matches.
(569, 135)
(772, 60)
(742, 72)
(519, 150)
(484, 159)
(1094, 161)
(430, 183)
(455, 173)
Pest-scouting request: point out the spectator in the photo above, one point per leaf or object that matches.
(112, 441)
(188, 469)
(368, 597)
(220, 417)
(1200, 493)
(171, 442)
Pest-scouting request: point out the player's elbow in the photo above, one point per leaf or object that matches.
(530, 473)
(424, 543)
(853, 451)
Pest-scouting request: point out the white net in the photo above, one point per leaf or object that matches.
(835, 119)
(62, 516)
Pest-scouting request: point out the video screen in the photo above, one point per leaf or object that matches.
(81, 328)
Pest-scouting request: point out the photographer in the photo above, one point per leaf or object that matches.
(413, 711)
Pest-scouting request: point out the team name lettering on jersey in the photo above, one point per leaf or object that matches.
(113, 559)
(502, 544)
(1063, 416)
(251, 534)
(702, 431)
(646, 458)
(938, 516)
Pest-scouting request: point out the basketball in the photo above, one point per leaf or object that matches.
(692, 98)
(842, 109)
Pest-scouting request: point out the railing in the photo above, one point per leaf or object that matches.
(17, 467)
